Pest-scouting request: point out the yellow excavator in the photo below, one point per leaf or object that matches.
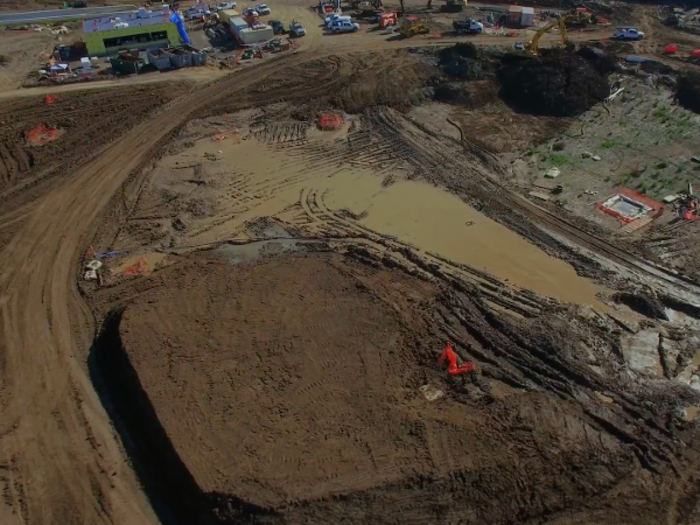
(533, 46)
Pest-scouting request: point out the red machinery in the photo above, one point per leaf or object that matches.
(451, 357)
(388, 19)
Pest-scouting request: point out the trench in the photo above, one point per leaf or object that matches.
(169, 486)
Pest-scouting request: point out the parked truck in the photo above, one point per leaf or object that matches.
(344, 26)
(467, 27)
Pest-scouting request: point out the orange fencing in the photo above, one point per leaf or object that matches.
(140, 268)
(42, 134)
(330, 121)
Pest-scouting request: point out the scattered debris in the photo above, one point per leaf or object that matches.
(552, 173)
(431, 393)
(42, 134)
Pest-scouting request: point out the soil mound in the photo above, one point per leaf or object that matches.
(463, 61)
(290, 391)
(560, 86)
(279, 382)
(688, 90)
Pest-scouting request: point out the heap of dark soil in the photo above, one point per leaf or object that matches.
(555, 85)
(688, 90)
(463, 61)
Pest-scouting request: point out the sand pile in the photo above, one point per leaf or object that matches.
(560, 86)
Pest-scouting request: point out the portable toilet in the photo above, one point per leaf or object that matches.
(527, 17)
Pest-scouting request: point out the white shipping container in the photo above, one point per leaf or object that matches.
(238, 24)
(254, 36)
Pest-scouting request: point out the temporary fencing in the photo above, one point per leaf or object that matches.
(42, 134)
(140, 268)
(330, 121)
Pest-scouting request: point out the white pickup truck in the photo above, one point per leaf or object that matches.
(628, 33)
(344, 26)
(332, 19)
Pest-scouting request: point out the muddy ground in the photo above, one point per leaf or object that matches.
(581, 411)
(300, 388)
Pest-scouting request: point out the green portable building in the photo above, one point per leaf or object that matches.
(136, 30)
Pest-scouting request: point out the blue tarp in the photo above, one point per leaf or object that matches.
(177, 20)
(636, 59)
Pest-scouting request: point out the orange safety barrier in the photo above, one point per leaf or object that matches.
(330, 121)
(451, 357)
(140, 268)
(42, 134)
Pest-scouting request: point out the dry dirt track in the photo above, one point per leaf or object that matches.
(59, 459)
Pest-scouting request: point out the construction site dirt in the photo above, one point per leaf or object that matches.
(304, 388)
(217, 309)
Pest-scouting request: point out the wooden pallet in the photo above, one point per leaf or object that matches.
(636, 224)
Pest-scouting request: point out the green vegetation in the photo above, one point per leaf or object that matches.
(661, 166)
(558, 160)
(607, 144)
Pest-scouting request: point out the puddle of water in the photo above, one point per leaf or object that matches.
(691, 413)
(437, 221)
(266, 182)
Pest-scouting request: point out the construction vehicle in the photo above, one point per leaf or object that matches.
(468, 27)
(344, 26)
(532, 48)
(366, 7)
(453, 6)
(580, 17)
(388, 19)
(412, 27)
(628, 33)
(296, 30)
(687, 205)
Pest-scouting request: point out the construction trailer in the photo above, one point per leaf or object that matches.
(247, 35)
(226, 15)
(521, 16)
(136, 30)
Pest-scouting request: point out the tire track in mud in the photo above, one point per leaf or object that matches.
(438, 164)
(62, 440)
(45, 323)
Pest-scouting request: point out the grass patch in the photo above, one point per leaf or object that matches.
(663, 114)
(661, 166)
(558, 160)
(607, 144)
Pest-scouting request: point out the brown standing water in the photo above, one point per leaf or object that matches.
(264, 181)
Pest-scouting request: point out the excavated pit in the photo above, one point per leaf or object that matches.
(293, 390)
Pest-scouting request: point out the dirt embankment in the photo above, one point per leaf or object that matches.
(289, 391)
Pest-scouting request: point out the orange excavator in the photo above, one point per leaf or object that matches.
(453, 368)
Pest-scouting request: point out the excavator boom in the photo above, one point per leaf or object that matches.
(536, 39)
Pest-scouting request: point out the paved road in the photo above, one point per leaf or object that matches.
(63, 14)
